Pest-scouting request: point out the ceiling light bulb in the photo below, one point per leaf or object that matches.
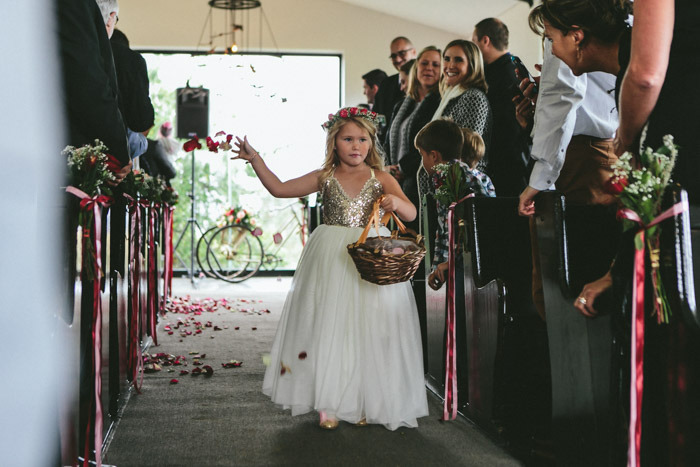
(234, 48)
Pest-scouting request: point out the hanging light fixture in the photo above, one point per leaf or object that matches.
(231, 27)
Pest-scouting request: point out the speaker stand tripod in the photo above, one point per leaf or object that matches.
(190, 226)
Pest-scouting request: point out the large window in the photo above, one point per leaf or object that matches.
(280, 102)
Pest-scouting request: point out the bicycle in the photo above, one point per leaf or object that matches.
(235, 252)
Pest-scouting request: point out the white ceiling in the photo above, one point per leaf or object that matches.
(456, 16)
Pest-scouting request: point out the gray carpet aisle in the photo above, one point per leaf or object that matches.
(225, 419)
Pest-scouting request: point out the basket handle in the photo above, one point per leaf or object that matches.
(374, 221)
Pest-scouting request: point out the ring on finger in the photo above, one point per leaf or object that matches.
(582, 300)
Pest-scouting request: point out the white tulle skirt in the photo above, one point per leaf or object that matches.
(346, 346)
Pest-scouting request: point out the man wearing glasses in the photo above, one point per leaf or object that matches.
(389, 92)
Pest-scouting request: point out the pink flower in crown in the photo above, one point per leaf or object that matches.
(364, 112)
(343, 113)
(330, 116)
(353, 111)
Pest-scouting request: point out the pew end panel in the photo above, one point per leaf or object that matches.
(509, 364)
(576, 246)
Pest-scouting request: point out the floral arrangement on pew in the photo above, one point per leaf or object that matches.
(639, 183)
(90, 168)
(451, 186)
(450, 183)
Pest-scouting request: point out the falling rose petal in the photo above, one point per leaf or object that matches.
(166, 327)
(257, 232)
(203, 355)
(254, 329)
(302, 355)
(198, 331)
(184, 372)
(196, 372)
(220, 133)
(196, 363)
(208, 325)
(170, 333)
(174, 381)
(237, 328)
(217, 328)
(208, 370)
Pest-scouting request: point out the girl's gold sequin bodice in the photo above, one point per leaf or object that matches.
(341, 209)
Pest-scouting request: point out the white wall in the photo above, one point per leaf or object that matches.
(523, 42)
(39, 371)
(362, 36)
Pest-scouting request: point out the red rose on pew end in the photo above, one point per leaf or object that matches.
(616, 185)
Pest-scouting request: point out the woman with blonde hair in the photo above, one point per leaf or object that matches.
(417, 108)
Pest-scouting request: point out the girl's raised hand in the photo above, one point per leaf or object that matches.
(244, 150)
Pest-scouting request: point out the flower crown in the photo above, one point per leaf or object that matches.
(347, 112)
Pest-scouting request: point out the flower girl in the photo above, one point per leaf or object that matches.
(347, 348)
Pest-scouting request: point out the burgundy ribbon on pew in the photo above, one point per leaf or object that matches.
(168, 211)
(135, 359)
(152, 273)
(449, 411)
(637, 354)
(95, 204)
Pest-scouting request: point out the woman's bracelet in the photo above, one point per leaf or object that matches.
(250, 161)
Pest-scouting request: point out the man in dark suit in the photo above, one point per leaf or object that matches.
(370, 84)
(509, 154)
(132, 76)
(134, 101)
(89, 79)
(389, 92)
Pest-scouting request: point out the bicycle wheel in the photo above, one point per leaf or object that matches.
(271, 262)
(201, 251)
(234, 254)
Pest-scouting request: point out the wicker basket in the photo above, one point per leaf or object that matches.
(387, 260)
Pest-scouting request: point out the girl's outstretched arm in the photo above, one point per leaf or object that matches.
(294, 188)
(394, 197)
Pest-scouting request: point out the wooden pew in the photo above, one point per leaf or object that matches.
(74, 419)
(671, 399)
(576, 246)
(435, 302)
(508, 368)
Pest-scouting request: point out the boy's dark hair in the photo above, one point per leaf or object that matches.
(496, 30)
(374, 77)
(443, 136)
(474, 148)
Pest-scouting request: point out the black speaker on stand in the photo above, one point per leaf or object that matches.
(192, 120)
